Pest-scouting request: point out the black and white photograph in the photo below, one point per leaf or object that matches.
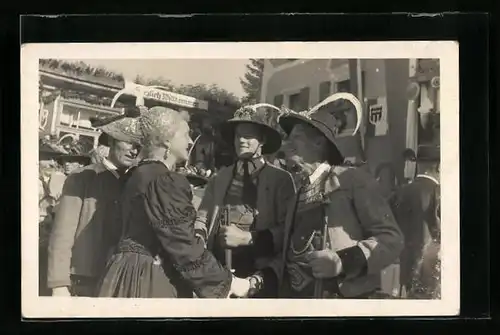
(235, 173)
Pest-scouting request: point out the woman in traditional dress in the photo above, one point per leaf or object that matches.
(158, 255)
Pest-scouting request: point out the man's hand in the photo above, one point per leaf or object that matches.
(61, 292)
(201, 237)
(323, 263)
(233, 237)
(239, 287)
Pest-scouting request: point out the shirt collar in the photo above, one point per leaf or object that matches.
(320, 170)
(254, 165)
(428, 177)
(110, 167)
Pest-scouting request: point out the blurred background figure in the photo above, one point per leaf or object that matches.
(203, 154)
(71, 163)
(417, 208)
(51, 179)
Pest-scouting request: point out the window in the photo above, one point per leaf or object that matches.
(278, 100)
(294, 102)
(299, 101)
(68, 116)
(304, 99)
(324, 90)
(344, 86)
(84, 119)
(86, 143)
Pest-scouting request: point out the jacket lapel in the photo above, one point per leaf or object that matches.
(222, 182)
(290, 215)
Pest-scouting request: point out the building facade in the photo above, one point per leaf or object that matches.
(68, 103)
(391, 119)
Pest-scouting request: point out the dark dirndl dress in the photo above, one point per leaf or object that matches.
(158, 255)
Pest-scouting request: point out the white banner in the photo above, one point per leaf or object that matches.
(153, 93)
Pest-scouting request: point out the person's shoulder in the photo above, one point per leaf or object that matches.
(353, 176)
(278, 172)
(173, 180)
(87, 171)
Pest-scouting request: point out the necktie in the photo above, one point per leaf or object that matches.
(249, 188)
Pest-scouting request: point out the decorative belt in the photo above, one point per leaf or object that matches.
(129, 245)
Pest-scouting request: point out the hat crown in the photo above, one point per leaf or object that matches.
(334, 115)
(123, 128)
(156, 118)
(260, 113)
(263, 115)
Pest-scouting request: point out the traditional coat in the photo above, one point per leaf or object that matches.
(78, 243)
(84, 228)
(275, 189)
(360, 228)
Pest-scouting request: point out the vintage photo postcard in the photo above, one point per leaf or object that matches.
(230, 180)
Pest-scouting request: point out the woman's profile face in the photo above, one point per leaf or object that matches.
(179, 145)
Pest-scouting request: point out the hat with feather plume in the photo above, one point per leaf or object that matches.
(328, 117)
(265, 116)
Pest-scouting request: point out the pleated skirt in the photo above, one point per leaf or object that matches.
(134, 275)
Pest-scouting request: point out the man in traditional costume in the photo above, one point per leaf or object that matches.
(251, 194)
(417, 209)
(340, 232)
(83, 230)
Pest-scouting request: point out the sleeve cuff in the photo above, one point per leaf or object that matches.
(354, 262)
(202, 233)
(270, 282)
(263, 243)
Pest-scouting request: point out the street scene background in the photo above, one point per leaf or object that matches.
(399, 132)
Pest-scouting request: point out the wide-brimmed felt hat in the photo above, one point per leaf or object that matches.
(263, 115)
(123, 127)
(193, 175)
(52, 149)
(85, 159)
(326, 117)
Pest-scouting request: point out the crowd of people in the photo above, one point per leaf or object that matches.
(298, 224)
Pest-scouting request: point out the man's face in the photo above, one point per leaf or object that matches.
(300, 145)
(123, 154)
(247, 140)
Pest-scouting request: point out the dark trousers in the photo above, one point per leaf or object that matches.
(83, 286)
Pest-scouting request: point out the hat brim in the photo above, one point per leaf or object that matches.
(85, 159)
(273, 137)
(118, 135)
(289, 121)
